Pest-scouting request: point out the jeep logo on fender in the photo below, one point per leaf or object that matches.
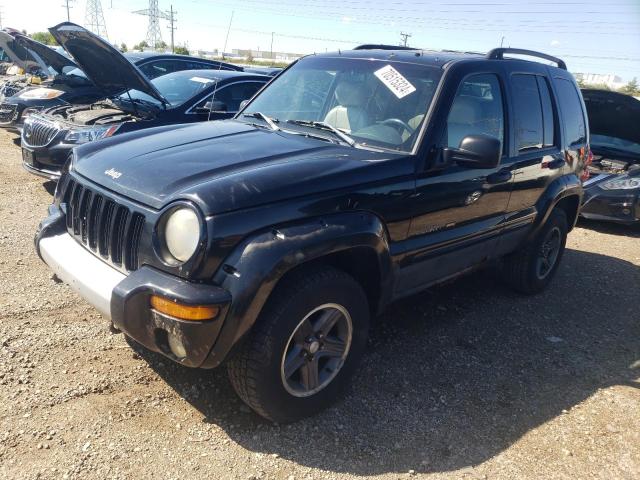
(113, 173)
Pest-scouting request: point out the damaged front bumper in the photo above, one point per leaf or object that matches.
(620, 206)
(125, 299)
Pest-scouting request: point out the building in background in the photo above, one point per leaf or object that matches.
(262, 55)
(612, 81)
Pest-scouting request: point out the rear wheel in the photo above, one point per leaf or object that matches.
(304, 347)
(530, 269)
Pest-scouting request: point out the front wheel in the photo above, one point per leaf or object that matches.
(304, 347)
(530, 269)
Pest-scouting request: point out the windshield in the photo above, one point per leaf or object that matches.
(176, 88)
(614, 142)
(377, 103)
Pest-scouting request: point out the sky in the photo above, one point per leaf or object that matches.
(591, 36)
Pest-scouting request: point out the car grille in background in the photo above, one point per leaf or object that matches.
(38, 132)
(103, 226)
(7, 113)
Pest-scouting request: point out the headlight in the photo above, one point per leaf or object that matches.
(621, 184)
(40, 94)
(84, 135)
(182, 233)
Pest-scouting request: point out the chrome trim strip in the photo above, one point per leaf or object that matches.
(87, 275)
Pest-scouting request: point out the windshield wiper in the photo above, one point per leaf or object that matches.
(261, 116)
(325, 126)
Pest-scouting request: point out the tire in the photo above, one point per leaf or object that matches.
(524, 269)
(288, 333)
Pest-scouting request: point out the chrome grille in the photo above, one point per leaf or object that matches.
(38, 132)
(7, 113)
(105, 227)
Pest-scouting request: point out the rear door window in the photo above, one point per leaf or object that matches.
(528, 118)
(572, 113)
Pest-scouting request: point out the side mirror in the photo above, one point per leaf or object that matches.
(475, 151)
(243, 104)
(215, 106)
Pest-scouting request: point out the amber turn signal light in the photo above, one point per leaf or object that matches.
(182, 311)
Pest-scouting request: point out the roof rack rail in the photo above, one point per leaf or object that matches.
(373, 46)
(498, 54)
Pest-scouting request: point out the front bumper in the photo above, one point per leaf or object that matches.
(124, 299)
(45, 162)
(620, 206)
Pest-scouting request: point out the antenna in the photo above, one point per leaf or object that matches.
(94, 19)
(154, 37)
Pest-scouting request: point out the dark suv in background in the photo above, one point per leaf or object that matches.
(353, 179)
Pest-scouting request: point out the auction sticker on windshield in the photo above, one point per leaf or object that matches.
(393, 79)
(201, 80)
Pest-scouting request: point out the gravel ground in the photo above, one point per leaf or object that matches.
(467, 380)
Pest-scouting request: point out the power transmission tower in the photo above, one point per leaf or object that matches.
(94, 19)
(172, 20)
(405, 37)
(154, 37)
(68, 7)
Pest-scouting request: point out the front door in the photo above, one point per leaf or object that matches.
(458, 211)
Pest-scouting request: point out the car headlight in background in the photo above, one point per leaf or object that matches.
(182, 233)
(91, 134)
(621, 184)
(40, 93)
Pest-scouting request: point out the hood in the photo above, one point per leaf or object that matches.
(20, 55)
(52, 58)
(226, 165)
(105, 66)
(613, 114)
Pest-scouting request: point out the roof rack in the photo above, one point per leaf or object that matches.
(498, 54)
(373, 46)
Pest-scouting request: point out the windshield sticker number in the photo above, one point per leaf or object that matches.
(201, 80)
(393, 79)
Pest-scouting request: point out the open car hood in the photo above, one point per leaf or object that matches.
(613, 114)
(20, 55)
(105, 66)
(47, 54)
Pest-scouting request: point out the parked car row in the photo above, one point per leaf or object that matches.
(269, 241)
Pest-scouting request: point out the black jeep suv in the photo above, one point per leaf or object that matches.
(353, 179)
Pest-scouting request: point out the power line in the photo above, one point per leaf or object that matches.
(94, 19)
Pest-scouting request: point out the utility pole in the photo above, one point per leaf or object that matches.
(272, 34)
(405, 37)
(68, 7)
(502, 41)
(0, 17)
(94, 19)
(172, 27)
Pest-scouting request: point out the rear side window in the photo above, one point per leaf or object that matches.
(547, 113)
(572, 114)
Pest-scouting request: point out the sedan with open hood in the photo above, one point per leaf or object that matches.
(180, 97)
(102, 71)
(613, 191)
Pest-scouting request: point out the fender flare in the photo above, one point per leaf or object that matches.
(557, 190)
(253, 269)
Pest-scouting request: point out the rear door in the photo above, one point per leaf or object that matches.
(535, 157)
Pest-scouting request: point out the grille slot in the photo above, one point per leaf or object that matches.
(38, 132)
(105, 227)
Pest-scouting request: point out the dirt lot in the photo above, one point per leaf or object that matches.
(468, 380)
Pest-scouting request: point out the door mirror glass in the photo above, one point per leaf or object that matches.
(475, 151)
(213, 106)
(243, 104)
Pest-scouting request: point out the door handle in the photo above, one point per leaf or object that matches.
(500, 177)
(554, 164)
